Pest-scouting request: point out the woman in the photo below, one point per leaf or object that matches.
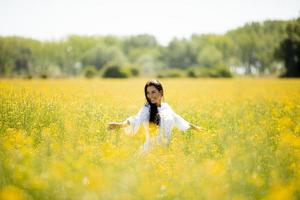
(154, 112)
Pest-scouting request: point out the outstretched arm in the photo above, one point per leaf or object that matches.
(133, 121)
(196, 128)
(184, 125)
(118, 125)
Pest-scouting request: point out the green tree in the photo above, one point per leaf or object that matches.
(289, 50)
(100, 56)
(255, 44)
(210, 57)
(179, 54)
(139, 42)
(217, 43)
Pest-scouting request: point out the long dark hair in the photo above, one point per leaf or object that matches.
(154, 115)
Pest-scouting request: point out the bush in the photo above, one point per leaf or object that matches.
(192, 73)
(28, 76)
(115, 72)
(90, 71)
(134, 71)
(223, 71)
(44, 76)
(220, 71)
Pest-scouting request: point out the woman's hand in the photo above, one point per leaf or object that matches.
(197, 128)
(113, 125)
(116, 125)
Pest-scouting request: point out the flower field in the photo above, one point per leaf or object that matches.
(54, 142)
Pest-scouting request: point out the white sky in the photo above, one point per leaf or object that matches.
(165, 19)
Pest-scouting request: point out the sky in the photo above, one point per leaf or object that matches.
(165, 19)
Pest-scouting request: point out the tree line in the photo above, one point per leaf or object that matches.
(262, 48)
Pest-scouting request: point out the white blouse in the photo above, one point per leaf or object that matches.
(168, 119)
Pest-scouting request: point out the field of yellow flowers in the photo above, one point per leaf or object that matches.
(54, 142)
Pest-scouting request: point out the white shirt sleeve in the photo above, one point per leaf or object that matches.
(135, 121)
(179, 122)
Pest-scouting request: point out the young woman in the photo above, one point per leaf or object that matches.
(154, 112)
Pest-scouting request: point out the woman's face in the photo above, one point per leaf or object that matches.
(154, 95)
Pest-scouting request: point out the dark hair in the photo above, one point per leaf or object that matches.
(154, 115)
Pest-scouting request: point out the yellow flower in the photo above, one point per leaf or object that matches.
(12, 193)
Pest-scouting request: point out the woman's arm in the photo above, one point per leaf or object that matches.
(184, 125)
(196, 128)
(132, 122)
(118, 125)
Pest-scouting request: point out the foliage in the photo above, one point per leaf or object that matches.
(179, 54)
(90, 71)
(115, 72)
(250, 47)
(215, 72)
(209, 57)
(289, 49)
(100, 56)
(171, 73)
(255, 44)
(143, 41)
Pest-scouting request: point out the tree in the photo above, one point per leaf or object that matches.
(255, 44)
(179, 54)
(210, 57)
(139, 41)
(222, 44)
(289, 50)
(101, 56)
